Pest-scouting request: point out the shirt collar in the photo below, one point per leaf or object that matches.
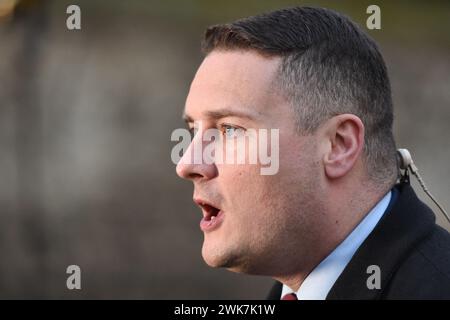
(319, 282)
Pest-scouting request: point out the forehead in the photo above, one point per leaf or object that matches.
(233, 79)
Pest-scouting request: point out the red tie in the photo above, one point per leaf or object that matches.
(289, 296)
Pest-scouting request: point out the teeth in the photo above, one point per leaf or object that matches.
(213, 217)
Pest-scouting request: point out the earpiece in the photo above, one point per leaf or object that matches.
(406, 163)
(405, 158)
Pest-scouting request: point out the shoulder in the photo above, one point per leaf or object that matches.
(425, 271)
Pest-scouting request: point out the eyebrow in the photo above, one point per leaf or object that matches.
(222, 113)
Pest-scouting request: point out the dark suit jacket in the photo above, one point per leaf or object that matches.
(413, 254)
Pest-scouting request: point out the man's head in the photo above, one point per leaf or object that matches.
(315, 76)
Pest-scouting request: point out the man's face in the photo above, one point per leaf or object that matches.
(265, 220)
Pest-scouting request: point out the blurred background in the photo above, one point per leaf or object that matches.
(85, 121)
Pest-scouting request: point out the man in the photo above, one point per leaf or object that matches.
(331, 223)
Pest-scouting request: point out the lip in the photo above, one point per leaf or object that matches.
(212, 215)
(213, 224)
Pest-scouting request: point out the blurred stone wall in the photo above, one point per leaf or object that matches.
(85, 123)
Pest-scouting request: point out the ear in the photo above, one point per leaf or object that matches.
(345, 135)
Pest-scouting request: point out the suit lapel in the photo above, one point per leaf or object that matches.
(275, 292)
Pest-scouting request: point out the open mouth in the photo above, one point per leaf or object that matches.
(209, 212)
(212, 216)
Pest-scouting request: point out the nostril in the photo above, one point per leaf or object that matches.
(196, 171)
(194, 176)
(187, 171)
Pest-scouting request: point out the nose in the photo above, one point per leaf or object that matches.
(193, 165)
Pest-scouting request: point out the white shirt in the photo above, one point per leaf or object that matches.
(320, 281)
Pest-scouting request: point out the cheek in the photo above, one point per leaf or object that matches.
(298, 154)
(233, 175)
(243, 188)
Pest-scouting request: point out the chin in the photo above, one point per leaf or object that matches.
(214, 260)
(218, 258)
(229, 261)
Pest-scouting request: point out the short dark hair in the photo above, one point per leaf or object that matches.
(329, 67)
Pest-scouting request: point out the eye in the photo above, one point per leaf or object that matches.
(231, 131)
(193, 131)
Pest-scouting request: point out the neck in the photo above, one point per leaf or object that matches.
(340, 220)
